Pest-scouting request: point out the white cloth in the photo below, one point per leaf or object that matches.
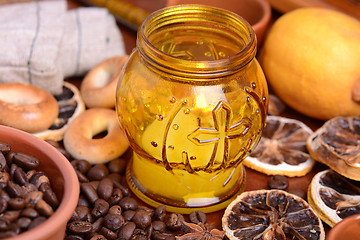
(42, 43)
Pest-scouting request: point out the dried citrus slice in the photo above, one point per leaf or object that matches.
(271, 214)
(337, 145)
(333, 197)
(71, 105)
(282, 148)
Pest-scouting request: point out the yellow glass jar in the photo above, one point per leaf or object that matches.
(192, 100)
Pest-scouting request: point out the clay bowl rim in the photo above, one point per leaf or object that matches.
(71, 192)
(333, 234)
(259, 27)
(266, 16)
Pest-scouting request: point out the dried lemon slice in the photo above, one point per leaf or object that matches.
(337, 145)
(282, 148)
(333, 197)
(271, 214)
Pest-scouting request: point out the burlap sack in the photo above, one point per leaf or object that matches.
(42, 43)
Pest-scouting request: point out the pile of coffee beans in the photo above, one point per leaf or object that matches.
(106, 209)
(26, 196)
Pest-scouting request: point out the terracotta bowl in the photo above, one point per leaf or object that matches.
(347, 229)
(62, 177)
(256, 12)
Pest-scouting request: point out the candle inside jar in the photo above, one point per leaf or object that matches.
(202, 139)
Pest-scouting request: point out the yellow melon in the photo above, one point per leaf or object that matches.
(311, 58)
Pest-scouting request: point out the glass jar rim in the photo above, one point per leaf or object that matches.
(180, 14)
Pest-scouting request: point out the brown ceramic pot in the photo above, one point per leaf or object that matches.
(62, 177)
(346, 229)
(256, 12)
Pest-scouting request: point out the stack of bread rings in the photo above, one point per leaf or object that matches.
(75, 117)
(98, 90)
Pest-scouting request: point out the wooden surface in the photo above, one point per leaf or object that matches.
(255, 180)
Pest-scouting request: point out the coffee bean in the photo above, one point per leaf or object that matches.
(3, 204)
(25, 161)
(159, 226)
(115, 197)
(127, 230)
(64, 152)
(30, 213)
(149, 211)
(32, 198)
(14, 190)
(11, 215)
(4, 147)
(98, 237)
(80, 213)
(30, 173)
(17, 203)
(140, 234)
(4, 224)
(79, 227)
(278, 182)
(24, 222)
(73, 237)
(116, 209)
(197, 217)
(142, 219)
(7, 234)
(128, 203)
(15, 228)
(128, 215)
(20, 176)
(97, 172)
(174, 221)
(39, 178)
(83, 166)
(117, 165)
(105, 188)
(9, 157)
(49, 195)
(115, 177)
(108, 233)
(101, 207)
(160, 212)
(4, 177)
(82, 178)
(36, 222)
(113, 221)
(161, 236)
(83, 201)
(44, 208)
(3, 163)
(97, 225)
(89, 192)
(29, 187)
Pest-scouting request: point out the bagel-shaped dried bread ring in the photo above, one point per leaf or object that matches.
(79, 138)
(27, 107)
(98, 88)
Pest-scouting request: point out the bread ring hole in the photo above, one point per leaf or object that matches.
(100, 135)
(100, 129)
(21, 96)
